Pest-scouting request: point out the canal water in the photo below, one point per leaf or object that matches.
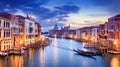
(59, 54)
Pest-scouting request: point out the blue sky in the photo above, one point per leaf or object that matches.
(77, 13)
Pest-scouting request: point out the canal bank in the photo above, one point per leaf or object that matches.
(59, 54)
(20, 50)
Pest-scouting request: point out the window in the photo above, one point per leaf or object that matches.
(6, 33)
(30, 30)
(6, 24)
(36, 31)
(112, 27)
(112, 36)
(20, 30)
(30, 24)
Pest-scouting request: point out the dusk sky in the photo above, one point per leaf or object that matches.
(77, 13)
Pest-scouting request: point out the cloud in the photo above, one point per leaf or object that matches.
(35, 8)
(99, 14)
(111, 5)
(30, 3)
(7, 10)
(45, 16)
(20, 12)
(68, 8)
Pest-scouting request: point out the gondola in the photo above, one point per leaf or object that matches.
(82, 53)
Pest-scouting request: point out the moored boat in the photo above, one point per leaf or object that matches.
(16, 52)
(3, 54)
(113, 52)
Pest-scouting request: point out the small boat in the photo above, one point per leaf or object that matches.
(3, 54)
(82, 53)
(88, 52)
(16, 52)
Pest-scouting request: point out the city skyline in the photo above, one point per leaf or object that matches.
(77, 13)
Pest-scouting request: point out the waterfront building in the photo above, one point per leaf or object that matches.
(56, 27)
(5, 32)
(84, 34)
(64, 32)
(31, 31)
(17, 31)
(37, 32)
(113, 31)
(102, 35)
(94, 34)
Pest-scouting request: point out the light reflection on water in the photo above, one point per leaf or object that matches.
(115, 62)
(55, 53)
(71, 53)
(59, 54)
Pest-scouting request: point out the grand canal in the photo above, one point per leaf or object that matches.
(59, 54)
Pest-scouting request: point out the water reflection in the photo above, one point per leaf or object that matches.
(85, 64)
(59, 54)
(42, 57)
(71, 53)
(12, 61)
(55, 53)
(115, 62)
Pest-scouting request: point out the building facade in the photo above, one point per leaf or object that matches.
(5, 34)
(95, 34)
(84, 34)
(17, 31)
(113, 32)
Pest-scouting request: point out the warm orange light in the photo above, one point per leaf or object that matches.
(70, 35)
(63, 36)
(92, 38)
(43, 39)
(85, 37)
(115, 42)
(21, 41)
(55, 35)
(75, 36)
(115, 62)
